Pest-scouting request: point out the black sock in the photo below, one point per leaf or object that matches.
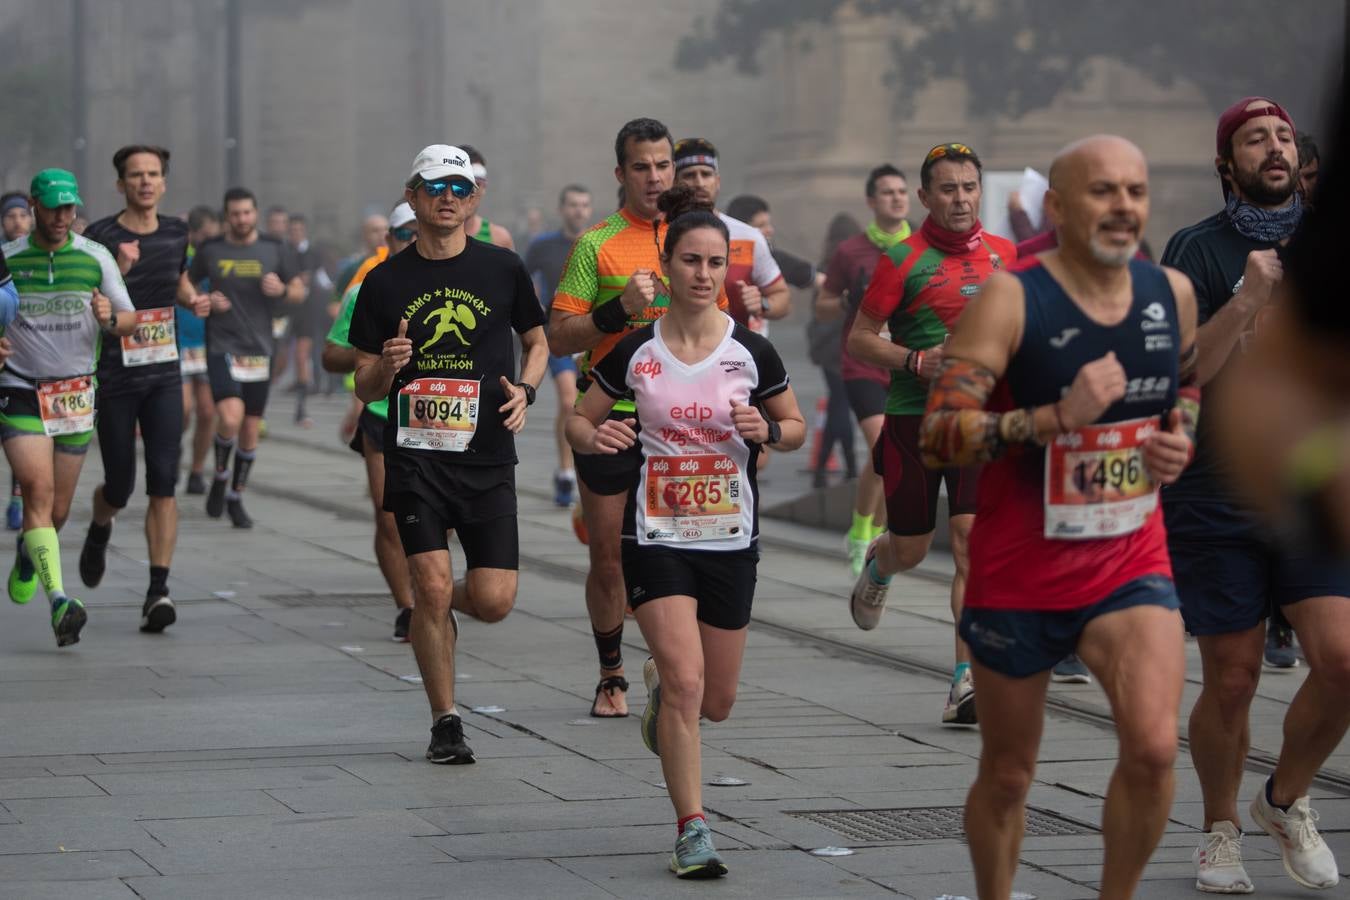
(224, 447)
(610, 647)
(159, 581)
(99, 534)
(1270, 782)
(243, 464)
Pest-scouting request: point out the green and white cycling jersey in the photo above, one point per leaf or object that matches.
(55, 334)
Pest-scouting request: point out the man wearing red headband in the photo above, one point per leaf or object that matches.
(1227, 574)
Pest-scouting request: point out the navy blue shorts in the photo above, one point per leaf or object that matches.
(560, 364)
(1020, 643)
(1230, 586)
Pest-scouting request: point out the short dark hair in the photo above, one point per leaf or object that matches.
(572, 189)
(472, 153)
(885, 170)
(273, 210)
(746, 206)
(121, 156)
(235, 194)
(297, 217)
(199, 216)
(640, 130)
(955, 152)
(1307, 149)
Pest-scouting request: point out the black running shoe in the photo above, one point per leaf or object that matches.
(401, 625)
(93, 559)
(238, 517)
(68, 619)
(447, 743)
(196, 484)
(215, 500)
(157, 614)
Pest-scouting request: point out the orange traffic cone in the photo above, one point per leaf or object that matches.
(818, 438)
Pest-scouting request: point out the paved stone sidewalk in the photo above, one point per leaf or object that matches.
(268, 745)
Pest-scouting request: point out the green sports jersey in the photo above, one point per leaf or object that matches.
(55, 335)
(339, 335)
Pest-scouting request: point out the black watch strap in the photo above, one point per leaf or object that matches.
(775, 432)
(529, 392)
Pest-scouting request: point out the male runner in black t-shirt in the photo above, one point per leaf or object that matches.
(432, 327)
(138, 378)
(1227, 573)
(252, 279)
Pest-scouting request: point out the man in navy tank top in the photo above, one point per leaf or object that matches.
(1073, 381)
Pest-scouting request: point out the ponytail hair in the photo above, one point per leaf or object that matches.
(683, 213)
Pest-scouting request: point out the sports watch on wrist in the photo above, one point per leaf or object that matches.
(529, 392)
(775, 433)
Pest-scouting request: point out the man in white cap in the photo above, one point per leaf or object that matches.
(432, 332)
(368, 425)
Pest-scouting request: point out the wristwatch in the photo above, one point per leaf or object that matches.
(529, 392)
(775, 433)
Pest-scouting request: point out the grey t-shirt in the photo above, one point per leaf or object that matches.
(237, 270)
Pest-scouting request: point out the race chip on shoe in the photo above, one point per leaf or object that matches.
(67, 407)
(155, 339)
(438, 414)
(693, 498)
(1096, 483)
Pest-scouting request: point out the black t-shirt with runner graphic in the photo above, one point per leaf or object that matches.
(237, 270)
(153, 285)
(461, 312)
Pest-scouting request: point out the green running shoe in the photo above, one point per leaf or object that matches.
(23, 577)
(695, 856)
(68, 617)
(653, 682)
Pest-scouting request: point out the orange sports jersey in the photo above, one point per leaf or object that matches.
(370, 262)
(598, 268)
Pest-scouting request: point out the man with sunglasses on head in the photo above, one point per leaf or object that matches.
(432, 329)
(368, 440)
(917, 292)
(251, 279)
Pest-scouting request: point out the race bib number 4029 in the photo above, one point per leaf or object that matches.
(437, 414)
(693, 498)
(153, 341)
(1096, 484)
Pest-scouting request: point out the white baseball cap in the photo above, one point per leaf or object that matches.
(441, 161)
(401, 215)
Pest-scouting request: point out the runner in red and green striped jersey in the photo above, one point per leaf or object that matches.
(917, 292)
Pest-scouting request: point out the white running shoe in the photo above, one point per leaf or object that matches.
(868, 600)
(960, 708)
(1218, 862)
(1307, 858)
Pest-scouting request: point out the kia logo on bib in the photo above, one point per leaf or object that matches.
(651, 368)
(692, 411)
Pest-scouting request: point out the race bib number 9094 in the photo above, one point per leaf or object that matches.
(438, 414)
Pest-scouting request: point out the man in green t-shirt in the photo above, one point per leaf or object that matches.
(340, 356)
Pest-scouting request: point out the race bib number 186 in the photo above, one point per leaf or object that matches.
(437, 414)
(1096, 484)
(67, 407)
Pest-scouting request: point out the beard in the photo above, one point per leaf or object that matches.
(1113, 256)
(1254, 187)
